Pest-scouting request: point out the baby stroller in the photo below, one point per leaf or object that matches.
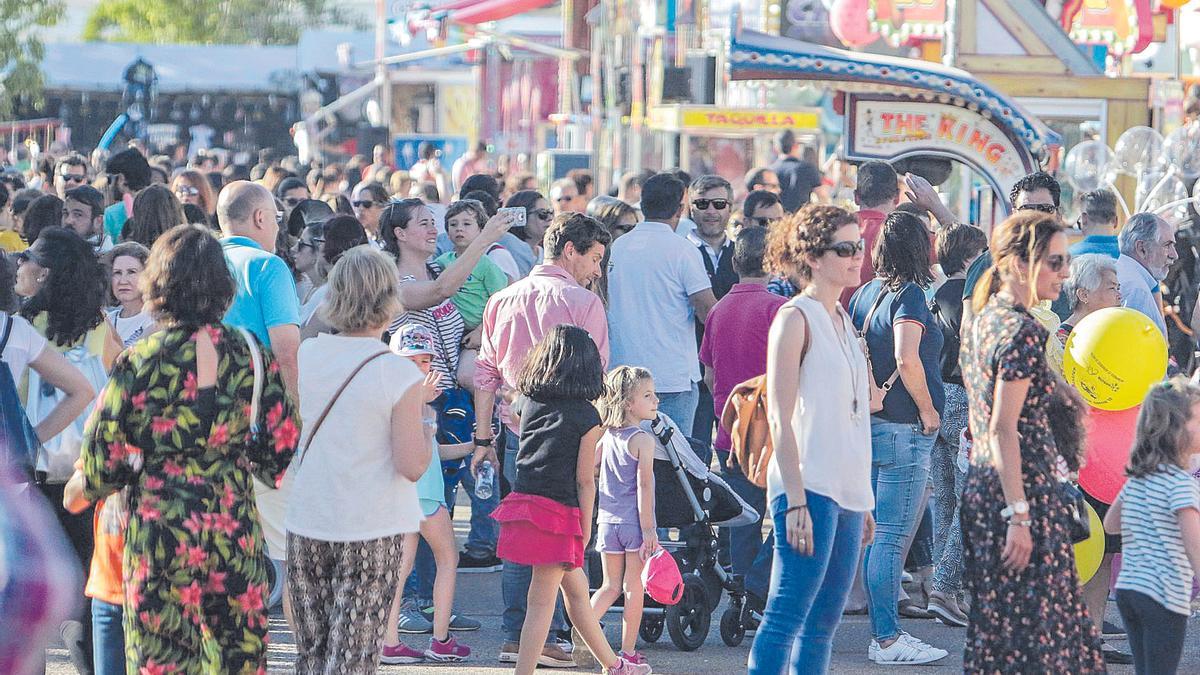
(691, 498)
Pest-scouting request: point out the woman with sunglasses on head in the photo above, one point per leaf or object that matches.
(1027, 612)
(905, 345)
(191, 187)
(409, 235)
(525, 242)
(819, 478)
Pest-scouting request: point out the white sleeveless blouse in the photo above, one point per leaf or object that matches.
(834, 442)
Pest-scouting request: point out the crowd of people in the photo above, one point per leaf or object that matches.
(241, 385)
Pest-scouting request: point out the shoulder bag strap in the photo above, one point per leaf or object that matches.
(336, 395)
(257, 365)
(862, 334)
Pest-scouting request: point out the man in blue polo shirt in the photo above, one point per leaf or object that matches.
(1098, 221)
(265, 304)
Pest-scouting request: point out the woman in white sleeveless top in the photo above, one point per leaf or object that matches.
(819, 479)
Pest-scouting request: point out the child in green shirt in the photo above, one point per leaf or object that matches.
(464, 222)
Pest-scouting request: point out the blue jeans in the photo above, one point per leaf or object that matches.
(749, 554)
(515, 579)
(808, 593)
(899, 473)
(680, 406)
(108, 638)
(948, 481)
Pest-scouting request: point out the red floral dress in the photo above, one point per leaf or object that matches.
(194, 571)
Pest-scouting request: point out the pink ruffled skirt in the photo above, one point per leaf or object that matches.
(537, 530)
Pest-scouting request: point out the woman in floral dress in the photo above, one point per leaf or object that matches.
(174, 425)
(1027, 613)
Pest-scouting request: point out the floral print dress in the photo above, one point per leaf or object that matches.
(195, 574)
(1032, 621)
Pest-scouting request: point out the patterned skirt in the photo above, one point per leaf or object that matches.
(1032, 621)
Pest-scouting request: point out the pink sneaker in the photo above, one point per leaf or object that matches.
(624, 666)
(635, 658)
(448, 651)
(400, 654)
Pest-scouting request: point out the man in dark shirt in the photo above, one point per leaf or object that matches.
(797, 178)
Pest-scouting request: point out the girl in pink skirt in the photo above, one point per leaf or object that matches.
(547, 518)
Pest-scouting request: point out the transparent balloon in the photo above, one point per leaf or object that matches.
(1173, 189)
(1183, 150)
(1138, 149)
(1090, 166)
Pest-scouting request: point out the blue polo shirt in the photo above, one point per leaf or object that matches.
(265, 294)
(114, 220)
(1097, 243)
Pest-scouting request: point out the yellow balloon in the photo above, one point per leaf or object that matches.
(1089, 553)
(1114, 356)
(1173, 4)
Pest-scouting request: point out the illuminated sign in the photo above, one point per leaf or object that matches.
(1124, 26)
(887, 129)
(903, 21)
(681, 118)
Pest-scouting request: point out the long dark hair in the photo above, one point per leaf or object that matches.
(526, 199)
(563, 365)
(902, 252)
(155, 210)
(73, 294)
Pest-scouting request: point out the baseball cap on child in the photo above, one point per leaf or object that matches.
(661, 578)
(413, 339)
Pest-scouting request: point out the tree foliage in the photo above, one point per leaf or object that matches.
(265, 22)
(20, 49)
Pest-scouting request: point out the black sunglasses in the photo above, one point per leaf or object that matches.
(846, 249)
(292, 201)
(74, 177)
(1044, 208)
(544, 214)
(309, 244)
(364, 204)
(703, 204)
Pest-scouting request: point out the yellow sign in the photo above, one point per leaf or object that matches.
(694, 118)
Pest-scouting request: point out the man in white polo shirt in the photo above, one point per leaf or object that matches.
(657, 289)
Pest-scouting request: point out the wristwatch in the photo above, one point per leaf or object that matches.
(1017, 508)
(484, 442)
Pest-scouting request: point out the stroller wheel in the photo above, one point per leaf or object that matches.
(688, 620)
(732, 630)
(651, 629)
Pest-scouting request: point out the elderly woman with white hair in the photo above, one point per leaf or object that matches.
(1092, 286)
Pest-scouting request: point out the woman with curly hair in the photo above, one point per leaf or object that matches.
(905, 343)
(177, 425)
(155, 210)
(63, 287)
(819, 477)
(1027, 611)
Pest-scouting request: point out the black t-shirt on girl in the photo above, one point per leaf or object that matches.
(549, 452)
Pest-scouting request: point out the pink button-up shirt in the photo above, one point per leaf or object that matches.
(519, 316)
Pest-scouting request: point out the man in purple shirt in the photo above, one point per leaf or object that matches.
(733, 351)
(514, 320)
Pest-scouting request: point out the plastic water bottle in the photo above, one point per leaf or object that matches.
(483, 481)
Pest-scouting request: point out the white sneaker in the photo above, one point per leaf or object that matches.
(873, 650)
(907, 651)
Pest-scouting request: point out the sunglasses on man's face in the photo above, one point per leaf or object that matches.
(544, 214)
(363, 204)
(846, 249)
(703, 204)
(74, 178)
(1044, 208)
(300, 245)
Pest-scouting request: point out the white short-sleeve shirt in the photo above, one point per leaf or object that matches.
(347, 487)
(25, 344)
(651, 274)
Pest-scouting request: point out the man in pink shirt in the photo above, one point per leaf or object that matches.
(514, 320)
(733, 351)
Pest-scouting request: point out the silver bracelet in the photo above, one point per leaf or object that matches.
(1021, 523)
